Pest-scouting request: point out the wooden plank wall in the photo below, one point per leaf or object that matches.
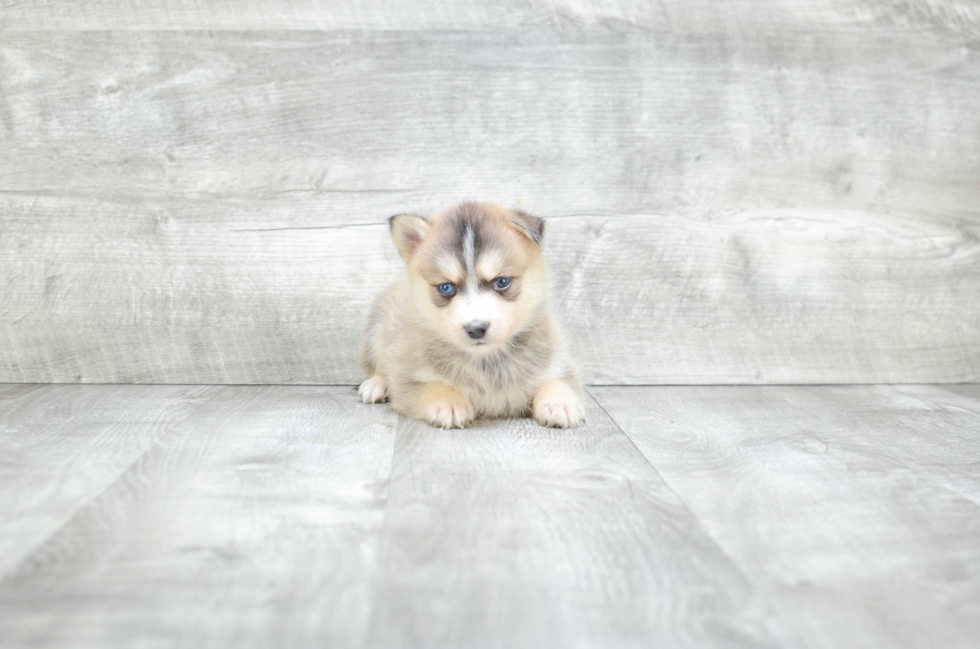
(741, 192)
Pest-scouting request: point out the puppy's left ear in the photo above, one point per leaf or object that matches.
(531, 227)
(408, 232)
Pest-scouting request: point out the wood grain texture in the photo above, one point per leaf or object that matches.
(574, 123)
(932, 430)
(254, 526)
(511, 535)
(294, 516)
(832, 500)
(177, 206)
(228, 292)
(61, 446)
(682, 16)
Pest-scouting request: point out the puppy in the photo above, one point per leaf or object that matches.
(469, 332)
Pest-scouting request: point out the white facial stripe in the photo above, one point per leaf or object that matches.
(477, 307)
(469, 254)
(469, 249)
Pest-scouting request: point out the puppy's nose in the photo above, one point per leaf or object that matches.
(476, 330)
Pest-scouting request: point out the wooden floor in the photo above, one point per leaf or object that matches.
(231, 516)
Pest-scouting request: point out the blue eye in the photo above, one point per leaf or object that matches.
(501, 283)
(447, 288)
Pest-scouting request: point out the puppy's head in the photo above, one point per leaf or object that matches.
(476, 272)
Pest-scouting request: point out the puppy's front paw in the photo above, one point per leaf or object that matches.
(556, 405)
(449, 412)
(374, 390)
(559, 413)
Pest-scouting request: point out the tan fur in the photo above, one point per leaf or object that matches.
(556, 404)
(416, 350)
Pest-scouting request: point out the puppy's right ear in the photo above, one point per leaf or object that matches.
(531, 227)
(408, 231)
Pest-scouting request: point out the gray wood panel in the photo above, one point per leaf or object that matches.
(254, 525)
(243, 516)
(727, 208)
(226, 292)
(511, 535)
(259, 523)
(830, 499)
(578, 123)
(61, 446)
(931, 430)
(697, 16)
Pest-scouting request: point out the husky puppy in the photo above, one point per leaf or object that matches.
(469, 331)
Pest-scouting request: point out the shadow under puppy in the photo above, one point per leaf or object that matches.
(469, 331)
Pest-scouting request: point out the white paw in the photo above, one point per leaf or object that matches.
(449, 413)
(374, 390)
(559, 411)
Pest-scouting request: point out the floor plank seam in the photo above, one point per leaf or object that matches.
(757, 587)
(12, 570)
